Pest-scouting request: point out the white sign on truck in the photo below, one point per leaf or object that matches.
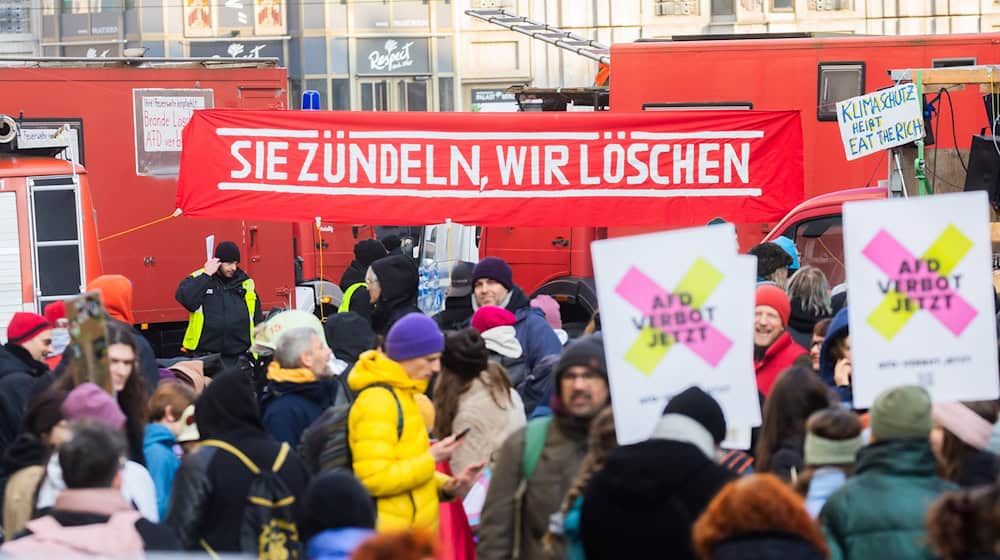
(880, 120)
(160, 116)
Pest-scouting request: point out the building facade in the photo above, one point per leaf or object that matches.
(427, 55)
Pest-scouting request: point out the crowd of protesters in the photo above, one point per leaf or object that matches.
(485, 431)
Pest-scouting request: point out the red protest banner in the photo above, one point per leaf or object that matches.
(571, 169)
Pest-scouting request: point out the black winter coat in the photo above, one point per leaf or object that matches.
(398, 277)
(766, 546)
(227, 323)
(210, 489)
(18, 373)
(648, 495)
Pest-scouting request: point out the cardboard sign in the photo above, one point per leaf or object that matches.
(88, 341)
(676, 311)
(921, 297)
(880, 120)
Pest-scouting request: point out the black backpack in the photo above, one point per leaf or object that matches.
(325, 444)
(268, 530)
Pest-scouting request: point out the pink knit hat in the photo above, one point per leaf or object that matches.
(490, 316)
(550, 307)
(90, 401)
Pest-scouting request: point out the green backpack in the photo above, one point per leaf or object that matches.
(535, 434)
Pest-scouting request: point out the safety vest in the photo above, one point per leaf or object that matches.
(196, 320)
(345, 304)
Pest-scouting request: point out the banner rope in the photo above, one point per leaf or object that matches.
(142, 226)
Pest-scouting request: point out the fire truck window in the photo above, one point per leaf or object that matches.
(820, 243)
(55, 215)
(59, 270)
(838, 81)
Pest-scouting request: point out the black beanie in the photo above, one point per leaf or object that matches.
(227, 405)
(770, 257)
(700, 407)
(586, 351)
(465, 353)
(227, 251)
(368, 251)
(335, 500)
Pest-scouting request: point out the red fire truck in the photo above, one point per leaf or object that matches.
(806, 73)
(122, 119)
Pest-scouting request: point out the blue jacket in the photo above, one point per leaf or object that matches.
(532, 330)
(289, 407)
(161, 462)
(837, 331)
(336, 544)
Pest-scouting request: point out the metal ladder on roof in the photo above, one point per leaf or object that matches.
(544, 32)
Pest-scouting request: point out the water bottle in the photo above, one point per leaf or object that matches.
(436, 291)
(422, 290)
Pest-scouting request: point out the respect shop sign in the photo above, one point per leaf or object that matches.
(920, 291)
(676, 311)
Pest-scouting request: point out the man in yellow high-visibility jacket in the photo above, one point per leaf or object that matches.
(223, 304)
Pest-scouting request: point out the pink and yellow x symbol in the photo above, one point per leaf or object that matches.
(940, 300)
(654, 302)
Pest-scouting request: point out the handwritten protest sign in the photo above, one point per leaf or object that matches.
(921, 297)
(880, 120)
(670, 323)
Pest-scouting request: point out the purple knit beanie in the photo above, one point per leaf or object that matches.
(494, 268)
(413, 336)
(90, 401)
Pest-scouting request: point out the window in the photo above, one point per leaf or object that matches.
(446, 94)
(15, 16)
(723, 7)
(341, 94)
(707, 106)
(820, 242)
(830, 5)
(677, 7)
(838, 81)
(783, 5)
(953, 62)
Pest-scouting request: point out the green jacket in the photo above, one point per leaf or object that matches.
(879, 513)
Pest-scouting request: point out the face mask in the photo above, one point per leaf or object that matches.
(60, 340)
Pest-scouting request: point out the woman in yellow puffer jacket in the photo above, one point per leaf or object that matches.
(397, 466)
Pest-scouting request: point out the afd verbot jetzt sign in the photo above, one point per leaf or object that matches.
(921, 297)
(881, 120)
(676, 311)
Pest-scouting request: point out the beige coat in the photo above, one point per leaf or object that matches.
(490, 424)
(19, 499)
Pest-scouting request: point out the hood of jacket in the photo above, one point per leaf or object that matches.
(14, 358)
(801, 319)
(349, 335)
(353, 274)
(228, 405)
(766, 546)
(837, 331)
(399, 279)
(503, 341)
(375, 367)
(898, 457)
(238, 278)
(158, 434)
(652, 471)
(336, 544)
(116, 293)
(25, 451)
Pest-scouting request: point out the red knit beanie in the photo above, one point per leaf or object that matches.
(24, 326)
(490, 316)
(774, 297)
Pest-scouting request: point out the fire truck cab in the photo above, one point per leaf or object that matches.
(48, 240)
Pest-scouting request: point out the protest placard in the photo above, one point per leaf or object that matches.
(921, 305)
(676, 311)
(880, 120)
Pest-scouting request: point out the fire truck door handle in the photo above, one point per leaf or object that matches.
(560, 242)
(253, 236)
